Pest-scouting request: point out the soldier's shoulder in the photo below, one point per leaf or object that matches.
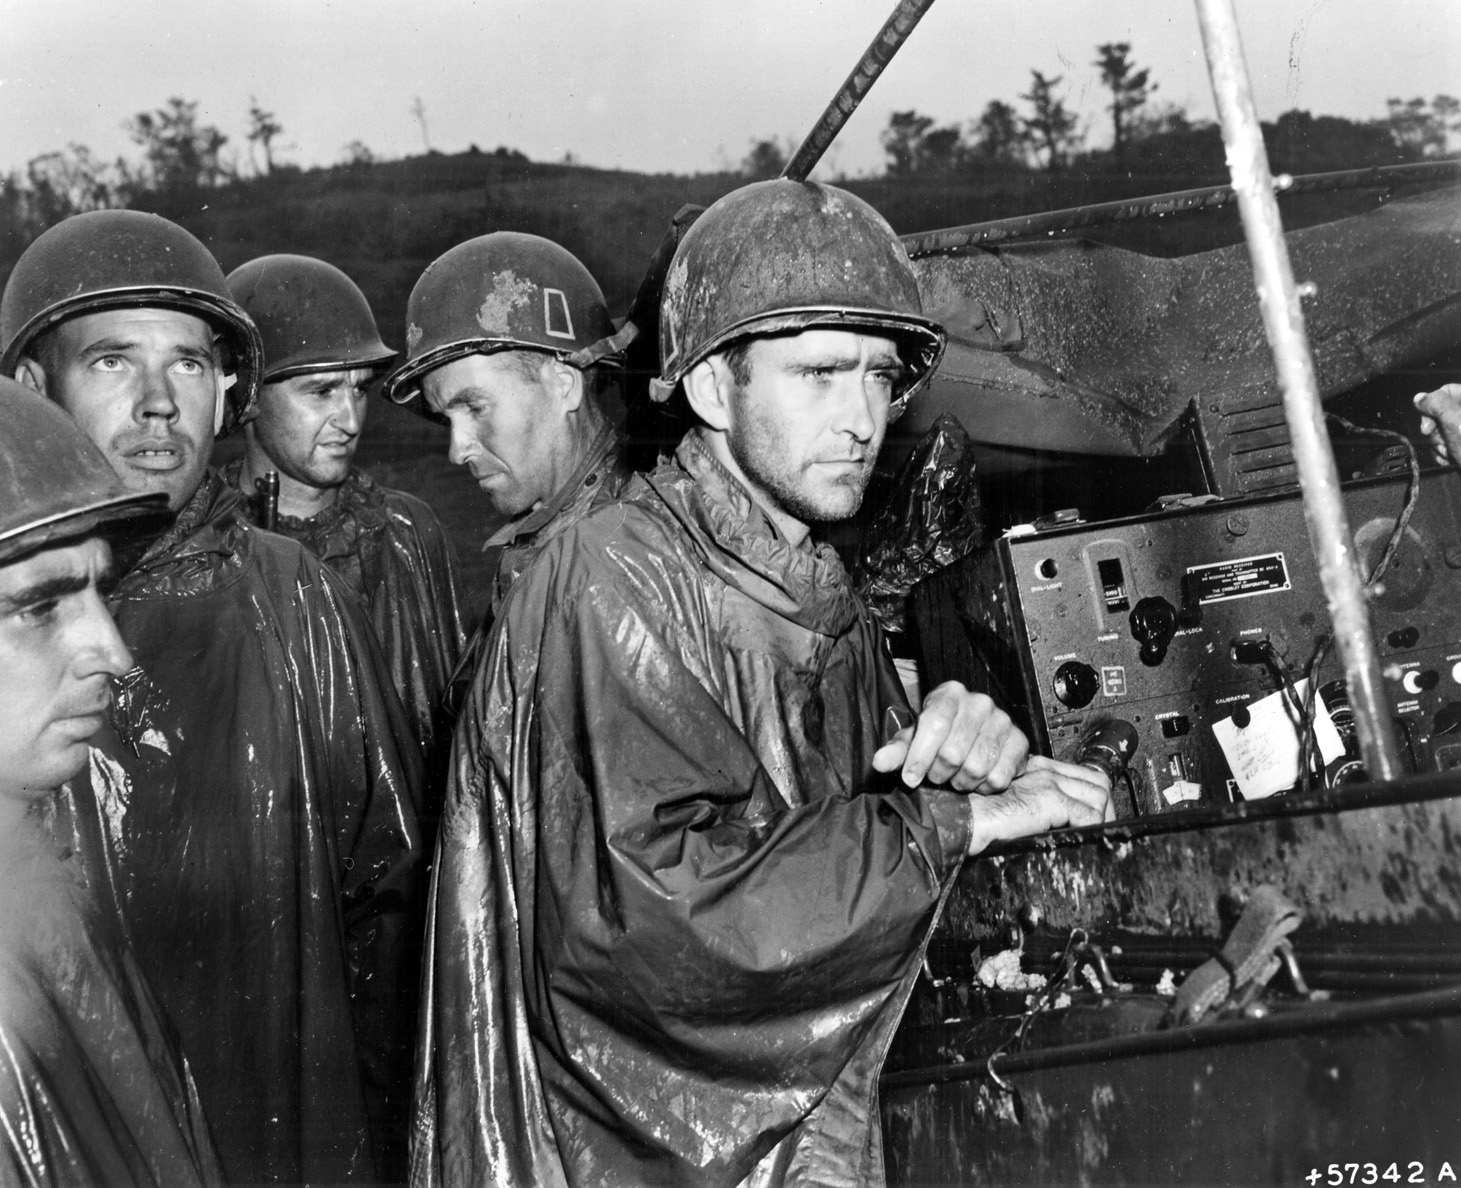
(291, 573)
(408, 510)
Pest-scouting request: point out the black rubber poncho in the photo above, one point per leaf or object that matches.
(252, 813)
(675, 915)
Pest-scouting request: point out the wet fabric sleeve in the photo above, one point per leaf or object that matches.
(92, 1089)
(374, 785)
(698, 959)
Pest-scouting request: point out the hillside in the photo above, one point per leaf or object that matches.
(384, 222)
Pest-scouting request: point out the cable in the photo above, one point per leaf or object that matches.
(1372, 582)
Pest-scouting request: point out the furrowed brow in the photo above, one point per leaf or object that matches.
(828, 362)
(46, 590)
(464, 397)
(108, 346)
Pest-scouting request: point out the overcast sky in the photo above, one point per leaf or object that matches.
(656, 85)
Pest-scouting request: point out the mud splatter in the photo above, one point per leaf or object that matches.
(509, 291)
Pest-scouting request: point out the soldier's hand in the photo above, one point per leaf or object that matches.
(1440, 421)
(1048, 795)
(961, 739)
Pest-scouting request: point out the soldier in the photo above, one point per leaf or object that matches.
(92, 1089)
(321, 352)
(681, 896)
(508, 342)
(252, 808)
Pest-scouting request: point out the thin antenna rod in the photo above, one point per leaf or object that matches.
(890, 37)
(1283, 321)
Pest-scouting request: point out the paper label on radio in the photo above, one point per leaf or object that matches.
(1264, 755)
(1243, 578)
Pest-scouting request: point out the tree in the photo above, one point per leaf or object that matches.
(1420, 131)
(357, 155)
(1050, 125)
(998, 135)
(69, 182)
(1129, 90)
(900, 141)
(767, 158)
(263, 128)
(914, 145)
(180, 154)
(1299, 142)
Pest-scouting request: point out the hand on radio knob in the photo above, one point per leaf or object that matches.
(1048, 795)
(961, 739)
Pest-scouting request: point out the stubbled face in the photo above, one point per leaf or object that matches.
(144, 385)
(309, 425)
(806, 428)
(58, 649)
(506, 426)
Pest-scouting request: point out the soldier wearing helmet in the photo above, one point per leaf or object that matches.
(509, 343)
(93, 1087)
(688, 777)
(251, 803)
(321, 352)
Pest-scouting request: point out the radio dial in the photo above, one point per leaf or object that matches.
(1076, 684)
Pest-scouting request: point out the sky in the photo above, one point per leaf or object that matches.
(656, 85)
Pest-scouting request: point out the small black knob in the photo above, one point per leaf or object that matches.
(1153, 623)
(1403, 638)
(1076, 684)
(1447, 719)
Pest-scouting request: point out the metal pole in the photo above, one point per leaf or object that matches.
(890, 37)
(1052, 222)
(1283, 320)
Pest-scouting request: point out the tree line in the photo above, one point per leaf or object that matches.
(180, 154)
(1046, 134)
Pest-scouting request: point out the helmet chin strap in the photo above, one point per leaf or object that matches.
(220, 405)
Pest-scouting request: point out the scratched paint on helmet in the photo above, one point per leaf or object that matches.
(509, 291)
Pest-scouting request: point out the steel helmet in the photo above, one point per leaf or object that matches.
(311, 316)
(784, 255)
(113, 259)
(54, 483)
(504, 291)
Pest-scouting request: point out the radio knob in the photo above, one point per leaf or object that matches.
(1075, 684)
(1420, 680)
(1153, 623)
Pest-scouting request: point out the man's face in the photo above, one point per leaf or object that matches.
(58, 647)
(507, 427)
(143, 384)
(806, 428)
(310, 425)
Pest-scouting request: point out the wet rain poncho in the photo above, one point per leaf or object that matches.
(252, 814)
(92, 1088)
(600, 478)
(676, 915)
(391, 550)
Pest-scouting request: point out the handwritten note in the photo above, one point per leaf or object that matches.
(1264, 755)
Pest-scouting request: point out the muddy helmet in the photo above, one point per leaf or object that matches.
(114, 259)
(312, 317)
(54, 483)
(782, 255)
(504, 291)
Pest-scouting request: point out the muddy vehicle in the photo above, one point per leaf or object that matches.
(1254, 974)
(1246, 979)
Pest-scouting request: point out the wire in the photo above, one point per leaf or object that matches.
(1372, 584)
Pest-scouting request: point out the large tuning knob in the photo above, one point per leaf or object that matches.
(1076, 684)
(1153, 623)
